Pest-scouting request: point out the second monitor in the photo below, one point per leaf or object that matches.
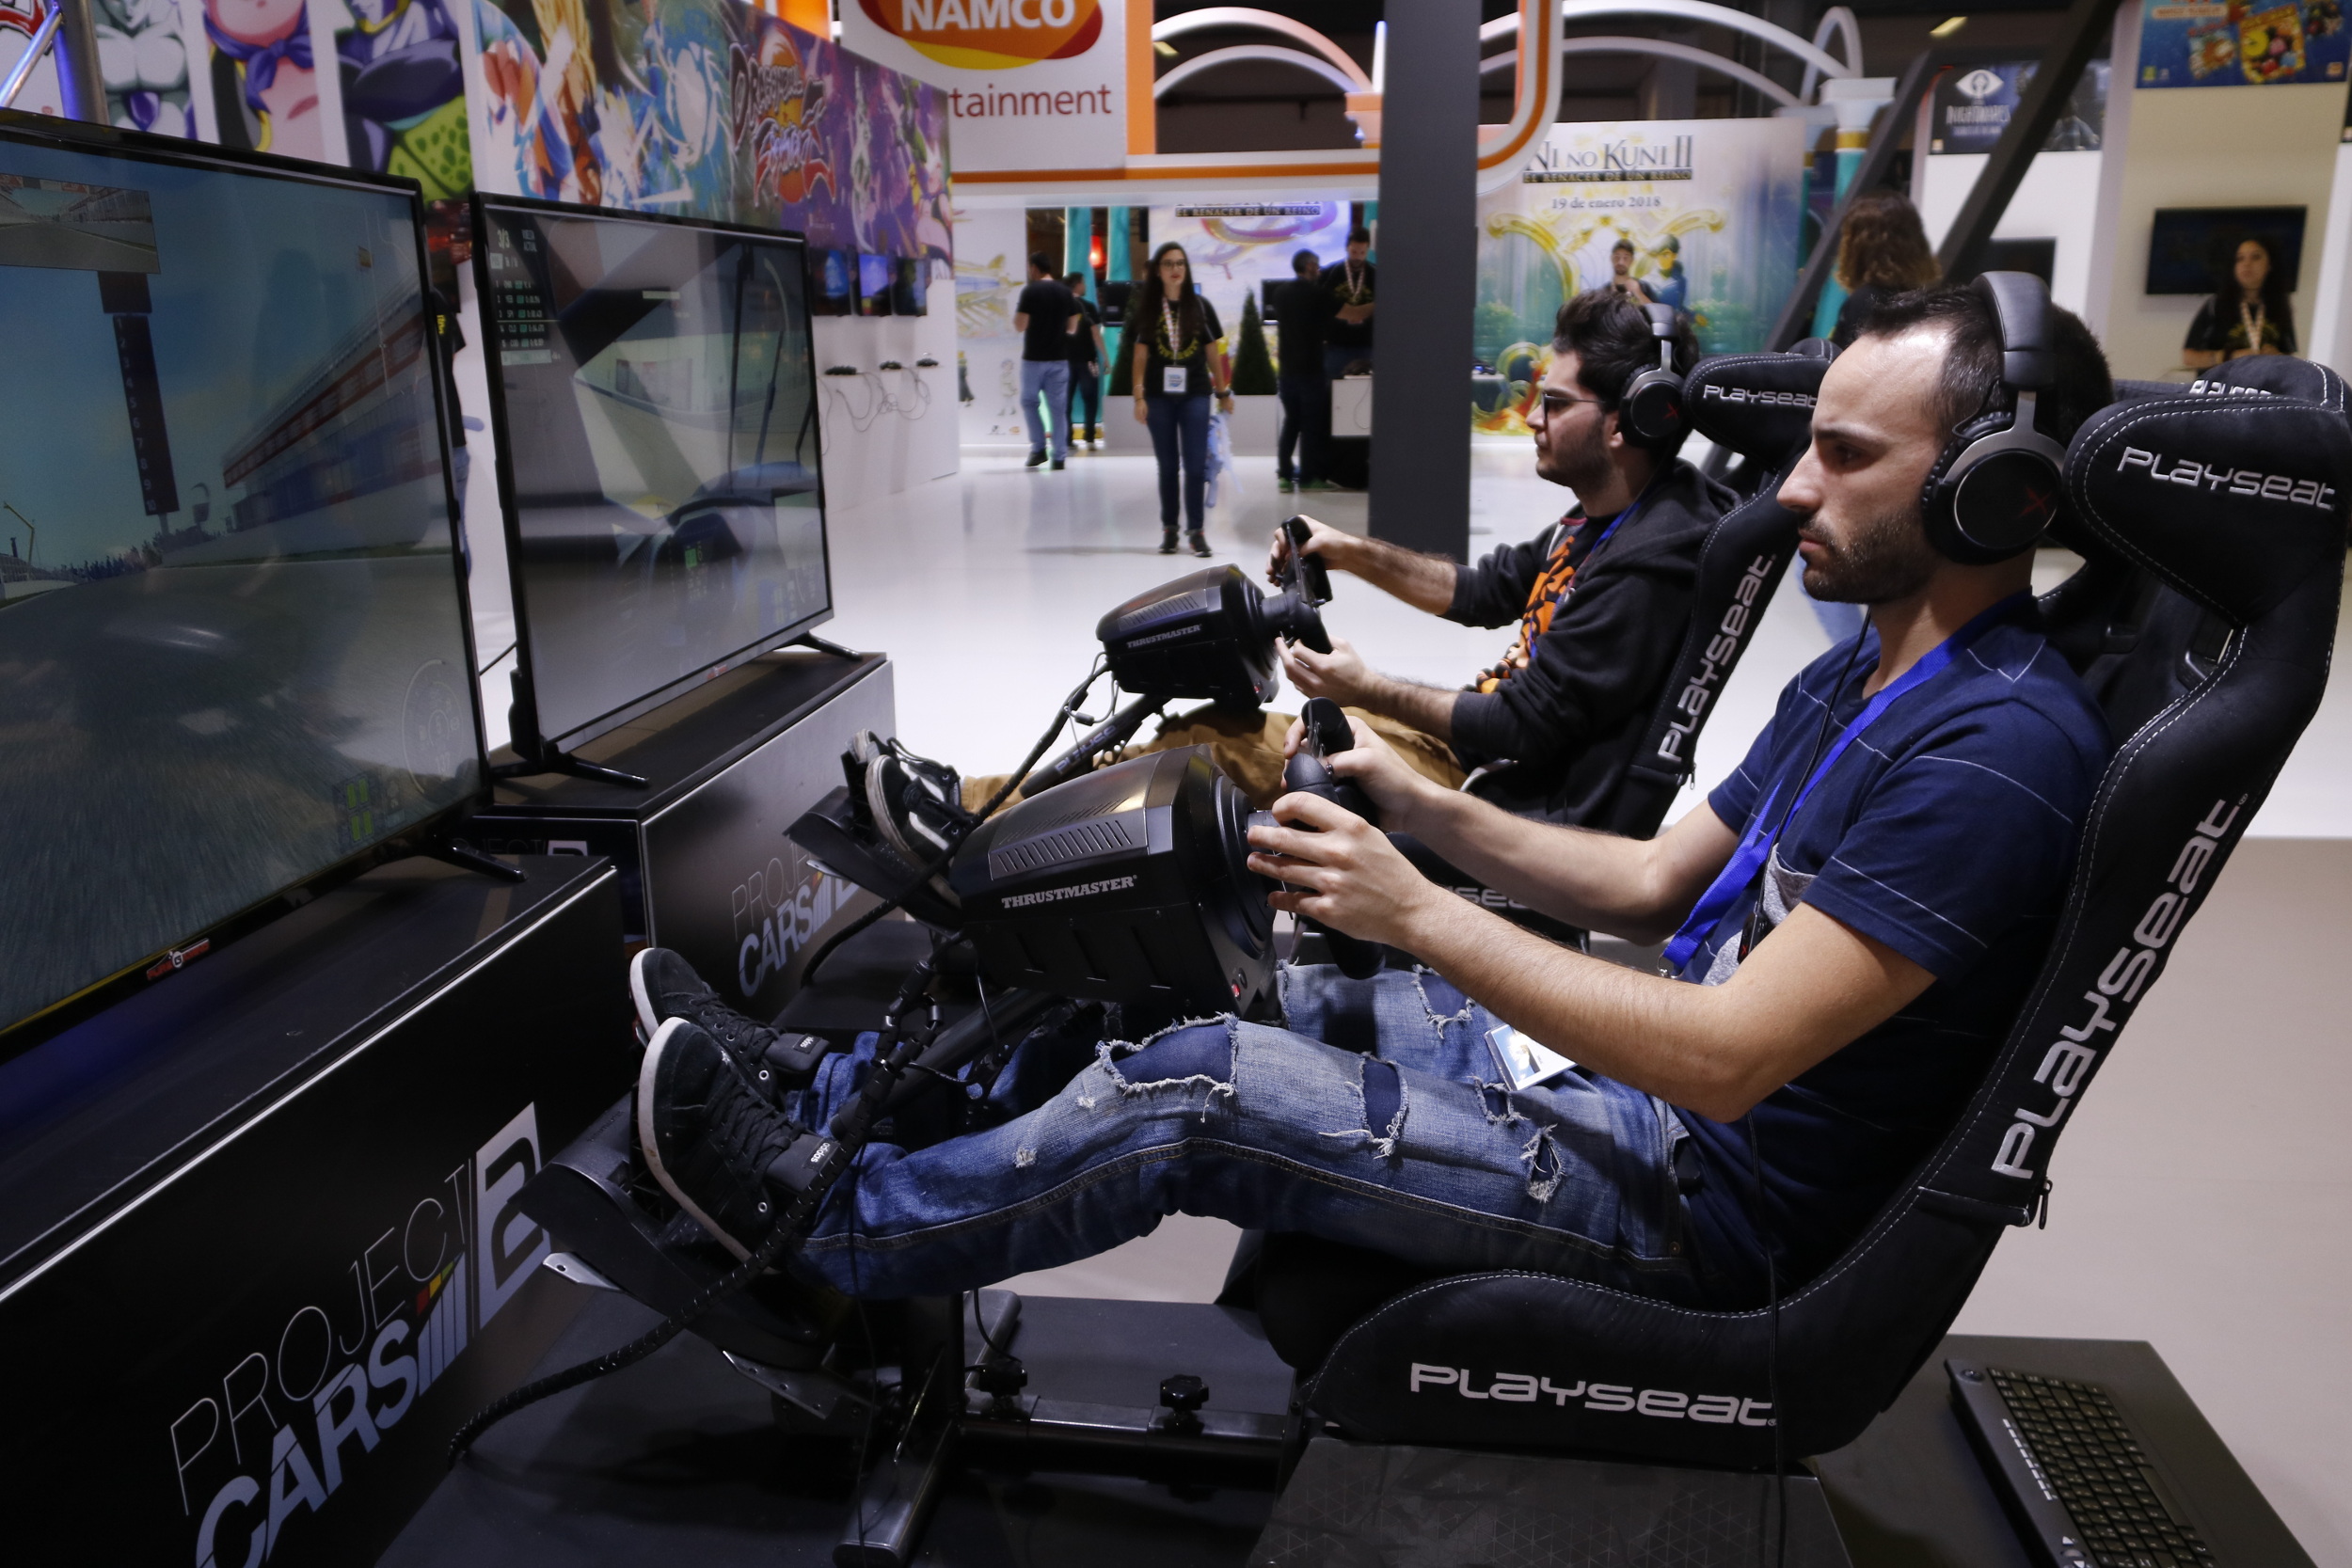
(655, 406)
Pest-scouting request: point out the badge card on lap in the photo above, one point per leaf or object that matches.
(1522, 1061)
(1173, 380)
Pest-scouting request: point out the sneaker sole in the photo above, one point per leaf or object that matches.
(650, 1147)
(646, 1022)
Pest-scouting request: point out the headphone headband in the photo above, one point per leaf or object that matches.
(2021, 302)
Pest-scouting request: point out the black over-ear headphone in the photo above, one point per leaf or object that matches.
(1649, 411)
(1998, 482)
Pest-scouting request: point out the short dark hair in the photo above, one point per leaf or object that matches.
(1609, 335)
(1971, 383)
(1359, 235)
(1073, 281)
(1305, 261)
(1624, 243)
(1044, 263)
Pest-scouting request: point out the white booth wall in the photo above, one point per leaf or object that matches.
(2059, 199)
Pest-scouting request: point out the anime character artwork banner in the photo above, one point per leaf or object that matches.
(709, 109)
(2242, 44)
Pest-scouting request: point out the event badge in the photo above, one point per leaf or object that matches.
(1174, 379)
(1521, 1060)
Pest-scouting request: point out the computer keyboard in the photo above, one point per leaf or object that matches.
(2074, 1474)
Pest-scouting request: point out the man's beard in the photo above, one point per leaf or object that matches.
(1884, 558)
(1582, 468)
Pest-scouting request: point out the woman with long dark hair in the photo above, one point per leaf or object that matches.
(1180, 364)
(1881, 249)
(2249, 314)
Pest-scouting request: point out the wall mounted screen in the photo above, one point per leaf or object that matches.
(2191, 249)
(233, 640)
(655, 414)
(875, 275)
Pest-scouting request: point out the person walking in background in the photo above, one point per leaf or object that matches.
(1299, 310)
(2247, 315)
(1882, 250)
(1180, 364)
(1347, 290)
(1048, 319)
(1087, 359)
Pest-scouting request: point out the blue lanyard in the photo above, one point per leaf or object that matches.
(1616, 523)
(1740, 870)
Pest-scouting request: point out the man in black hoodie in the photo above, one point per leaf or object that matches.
(1601, 598)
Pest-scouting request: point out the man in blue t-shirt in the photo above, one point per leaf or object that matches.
(1843, 972)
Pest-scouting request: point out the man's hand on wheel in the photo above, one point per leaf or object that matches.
(1323, 540)
(1340, 674)
(1373, 765)
(1342, 870)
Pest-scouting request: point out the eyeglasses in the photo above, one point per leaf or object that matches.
(1558, 404)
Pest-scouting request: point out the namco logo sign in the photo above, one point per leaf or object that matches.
(990, 35)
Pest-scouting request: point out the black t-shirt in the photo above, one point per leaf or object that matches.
(1191, 352)
(1049, 308)
(1570, 719)
(1341, 288)
(1082, 340)
(1300, 315)
(2225, 331)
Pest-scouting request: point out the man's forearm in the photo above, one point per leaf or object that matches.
(1426, 708)
(1627, 887)
(1423, 581)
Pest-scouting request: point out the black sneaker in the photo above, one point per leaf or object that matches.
(708, 1138)
(665, 986)
(1201, 546)
(1034, 458)
(1168, 541)
(917, 804)
(1055, 466)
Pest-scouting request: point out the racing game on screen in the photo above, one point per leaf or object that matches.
(658, 420)
(231, 647)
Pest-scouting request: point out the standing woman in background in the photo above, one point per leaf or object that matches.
(1180, 364)
(2249, 314)
(1882, 250)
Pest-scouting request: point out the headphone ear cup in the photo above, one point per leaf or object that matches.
(1979, 507)
(1650, 413)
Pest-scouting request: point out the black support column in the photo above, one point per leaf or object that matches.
(1421, 456)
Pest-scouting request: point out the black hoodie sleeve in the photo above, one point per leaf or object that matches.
(1607, 650)
(1493, 592)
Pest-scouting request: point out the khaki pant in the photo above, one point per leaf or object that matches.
(1248, 747)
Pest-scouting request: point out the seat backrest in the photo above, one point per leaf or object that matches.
(1759, 406)
(2238, 506)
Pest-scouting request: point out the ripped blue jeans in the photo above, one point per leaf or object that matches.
(1373, 1119)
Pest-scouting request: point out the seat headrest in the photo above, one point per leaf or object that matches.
(2279, 375)
(2232, 500)
(1759, 406)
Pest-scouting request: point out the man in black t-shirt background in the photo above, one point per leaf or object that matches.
(1299, 312)
(1347, 290)
(1047, 318)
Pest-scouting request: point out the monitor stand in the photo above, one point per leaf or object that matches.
(457, 852)
(549, 760)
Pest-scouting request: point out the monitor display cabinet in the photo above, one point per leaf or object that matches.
(654, 404)
(234, 640)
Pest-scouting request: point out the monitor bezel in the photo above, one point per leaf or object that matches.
(24, 1033)
(526, 707)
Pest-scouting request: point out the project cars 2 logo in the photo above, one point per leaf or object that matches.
(990, 35)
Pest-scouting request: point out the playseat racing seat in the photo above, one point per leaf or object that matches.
(2233, 499)
(1759, 406)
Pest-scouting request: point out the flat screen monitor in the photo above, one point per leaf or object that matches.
(911, 286)
(1115, 295)
(832, 283)
(655, 406)
(875, 275)
(2191, 249)
(235, 657)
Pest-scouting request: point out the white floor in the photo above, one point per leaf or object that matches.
(2200, 1198)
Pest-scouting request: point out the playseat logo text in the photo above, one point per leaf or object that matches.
(1757, 396)
(1721, 651)
(2066, 1065)
(1664, 1404)
(1054, 894)
(2241, 482)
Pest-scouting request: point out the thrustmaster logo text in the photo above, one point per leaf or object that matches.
(1722, 649)
(1607, 1398)
(2067, 1064)
(277, 1433)
(776, 911)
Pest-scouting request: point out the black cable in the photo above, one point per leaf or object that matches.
(847, 1129)
(956, 834)
(496, 657)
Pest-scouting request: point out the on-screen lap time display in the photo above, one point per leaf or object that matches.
(233, 640)
(654, 404)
